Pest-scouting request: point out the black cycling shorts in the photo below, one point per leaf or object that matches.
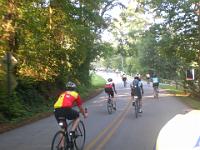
(66, 113)
(155, 84)
(110, 93)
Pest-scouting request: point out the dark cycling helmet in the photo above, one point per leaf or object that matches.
(70, 85)
(109, 79)
(136, 76)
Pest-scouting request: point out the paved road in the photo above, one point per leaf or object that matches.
(120, 130)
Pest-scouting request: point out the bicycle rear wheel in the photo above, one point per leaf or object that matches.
(80, 136)
(109, 106)
(59, 141)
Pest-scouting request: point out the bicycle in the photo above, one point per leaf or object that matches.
(155, 89)
(136, 105)
(111, 105)
(65, 140)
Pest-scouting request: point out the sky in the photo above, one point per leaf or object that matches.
(115, 12)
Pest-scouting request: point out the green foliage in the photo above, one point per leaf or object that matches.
(97, 81)
(178, 38)
(11, 107)
(53, 42)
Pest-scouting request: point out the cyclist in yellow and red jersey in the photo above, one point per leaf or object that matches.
(63, 106)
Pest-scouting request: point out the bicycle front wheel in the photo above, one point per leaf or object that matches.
(59, 141)
(80, 136)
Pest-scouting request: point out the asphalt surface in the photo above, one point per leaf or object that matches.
(117, 131)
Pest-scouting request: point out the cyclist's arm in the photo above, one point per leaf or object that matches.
(114, 87)
(142, 88)
(83, 111)
(79, 104)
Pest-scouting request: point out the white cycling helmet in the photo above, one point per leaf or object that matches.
(71, 85)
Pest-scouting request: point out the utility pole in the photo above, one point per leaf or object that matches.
(9, 29)
(8, 70)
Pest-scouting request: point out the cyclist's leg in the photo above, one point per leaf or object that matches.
(109, 103)
(112, 94)
(154, 91)
(73, 115)
(113, 99)
(140, 104)
(109, 95)
(133, 96)
(147, 80)
(157, 91)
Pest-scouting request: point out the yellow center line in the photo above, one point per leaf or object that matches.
(114, 128)
(108, 128)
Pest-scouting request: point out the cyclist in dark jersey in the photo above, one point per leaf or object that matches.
(110, 89)
(137, 90)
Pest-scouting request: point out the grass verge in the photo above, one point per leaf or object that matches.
(192, 102)
(97, 83)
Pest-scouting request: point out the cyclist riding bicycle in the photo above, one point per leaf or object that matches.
(148, 78)
(124, 78)
(110, 88)
(137, 90)
(155, 82)
(63, 106)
